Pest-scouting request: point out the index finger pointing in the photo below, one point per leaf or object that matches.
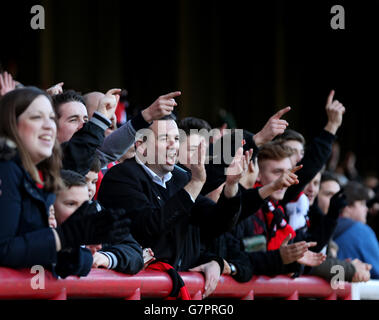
(172, 95)
(330, 97)
(281, 112)
(113, 91)
(296, 168)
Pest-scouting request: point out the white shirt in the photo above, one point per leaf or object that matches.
(157, 179)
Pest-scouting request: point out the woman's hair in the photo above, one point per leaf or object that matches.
(12, 105)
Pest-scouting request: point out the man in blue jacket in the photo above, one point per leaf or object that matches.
(356, 240)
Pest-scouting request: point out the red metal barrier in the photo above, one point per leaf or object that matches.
(17, 284)
(100, 283)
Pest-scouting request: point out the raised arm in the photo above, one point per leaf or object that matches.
(119, 141)
(319, 151)
(78, 152)
(7, 83)
(274, 126)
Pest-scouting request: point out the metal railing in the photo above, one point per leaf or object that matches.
(100, 283)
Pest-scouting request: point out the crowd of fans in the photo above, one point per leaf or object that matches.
(82, 186)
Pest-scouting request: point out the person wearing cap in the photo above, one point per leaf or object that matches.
(355, 239)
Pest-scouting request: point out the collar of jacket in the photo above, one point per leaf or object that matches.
(31, 188)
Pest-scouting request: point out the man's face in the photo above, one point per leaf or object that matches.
(270, 170)
(73, 115)
(312, 189)
(188, 147)
(327, 190)
(357, 211)
(165, 146)
(298, 149)
(68, 200)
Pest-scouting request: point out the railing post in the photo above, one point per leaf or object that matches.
(347, 297)
(249, 296)
(62, 295)
(197, 296)
(333, 296)
(293, 296)
(136, 295)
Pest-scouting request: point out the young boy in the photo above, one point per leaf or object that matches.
(123, 257)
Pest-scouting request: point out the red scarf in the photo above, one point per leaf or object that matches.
(40, 186)
(121, 113)
(278, 228)
(179, 290)
(100, 177)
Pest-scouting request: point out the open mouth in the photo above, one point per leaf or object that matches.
(46, 139)
(171, 158)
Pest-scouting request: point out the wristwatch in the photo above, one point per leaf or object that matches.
(233, 269)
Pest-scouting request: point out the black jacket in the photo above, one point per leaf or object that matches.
(316, 155)
(128, 254)
(321, 227)
(79, 151)
(167, 220)
(25, 237)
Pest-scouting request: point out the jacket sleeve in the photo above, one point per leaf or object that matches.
(270, 263)
(315, 157)
(369, 249)
(251, 202)
(28, 249)
(127, 255)
(324, 270)
(78, 152)
(239, 258)
(119, 141)
(76, 261)
(321, 228)
(215, 219)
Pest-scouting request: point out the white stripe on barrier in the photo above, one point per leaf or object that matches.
(365, 290)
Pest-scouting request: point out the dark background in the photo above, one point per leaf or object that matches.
(246, 57)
